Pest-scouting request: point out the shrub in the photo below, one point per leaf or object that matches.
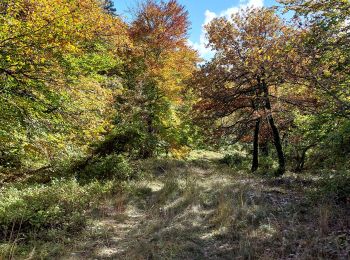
(110, 167)
(60, 204)
(232, 160)
(336, 188)
(9, 160)
(267, 166)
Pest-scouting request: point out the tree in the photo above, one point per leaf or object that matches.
(325, 50)
(242, 88)
(48, 49)
(151, 103)
(160, 25)
(326, 46)
(108, 6)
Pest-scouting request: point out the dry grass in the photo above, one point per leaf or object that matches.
(204, 210)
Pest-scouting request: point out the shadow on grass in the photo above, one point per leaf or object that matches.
(206, 211)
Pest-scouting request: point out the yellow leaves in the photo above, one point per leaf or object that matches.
(49, 24)
(90, 108)
(268, 58)
(71, 48)
(29, 147)
(327, 73)
(45, 44)
(180, 152)
(170, 69)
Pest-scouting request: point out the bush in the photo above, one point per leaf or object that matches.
(110, 167)
(61, 204)
(9, 160)
(336, 188)
(232, 160)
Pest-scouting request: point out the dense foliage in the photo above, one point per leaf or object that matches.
(85, 95)
(72, 71)
(278, 82)
(53, 98)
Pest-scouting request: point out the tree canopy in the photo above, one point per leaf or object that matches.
(112, 122)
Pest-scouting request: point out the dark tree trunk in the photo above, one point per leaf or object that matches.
(278, 145)
(147, 153)
(275, 133)
(301, 158)
(148, 150)
(255, 163)
(300, 163)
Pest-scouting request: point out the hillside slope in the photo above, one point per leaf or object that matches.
(206, 210)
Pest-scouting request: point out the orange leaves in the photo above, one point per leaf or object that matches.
(252, 37)
(159, 33)
(256, 56)
(158, 66)
(162, 25)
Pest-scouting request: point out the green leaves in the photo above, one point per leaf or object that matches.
(54, 57)
(153, 102)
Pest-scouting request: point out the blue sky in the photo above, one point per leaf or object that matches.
(201, 12)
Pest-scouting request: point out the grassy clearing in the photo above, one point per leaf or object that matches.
(202, 209)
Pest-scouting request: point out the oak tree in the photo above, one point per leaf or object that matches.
(242, 87)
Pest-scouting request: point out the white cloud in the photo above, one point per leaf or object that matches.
(200, 46)
(243, 4)
(209, 16)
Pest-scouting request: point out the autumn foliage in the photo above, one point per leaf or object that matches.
(77, 81)
(244, 89)
(112, 124)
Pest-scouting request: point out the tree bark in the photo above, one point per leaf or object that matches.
(278, 146)
(301, 158)
(255, 163)
(276, 136)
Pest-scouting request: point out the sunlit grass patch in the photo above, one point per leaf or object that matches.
(203, 210)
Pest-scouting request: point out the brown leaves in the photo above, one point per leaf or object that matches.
(256, 56)
(162, 25)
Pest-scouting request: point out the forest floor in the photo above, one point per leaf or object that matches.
(202, 209)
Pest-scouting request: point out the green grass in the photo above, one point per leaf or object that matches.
(33, 214)
(196, 209)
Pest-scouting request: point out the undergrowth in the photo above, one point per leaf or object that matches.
(199, 209)
(33, 213)
(29, 210)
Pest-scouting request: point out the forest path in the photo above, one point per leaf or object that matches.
(201, 210)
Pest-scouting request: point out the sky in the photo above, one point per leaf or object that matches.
(200, 13)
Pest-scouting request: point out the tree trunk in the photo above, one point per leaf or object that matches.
(278, 146)
(301, 158)
(300, 163)
(275, 133)
(255, 163)
(149, 148)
